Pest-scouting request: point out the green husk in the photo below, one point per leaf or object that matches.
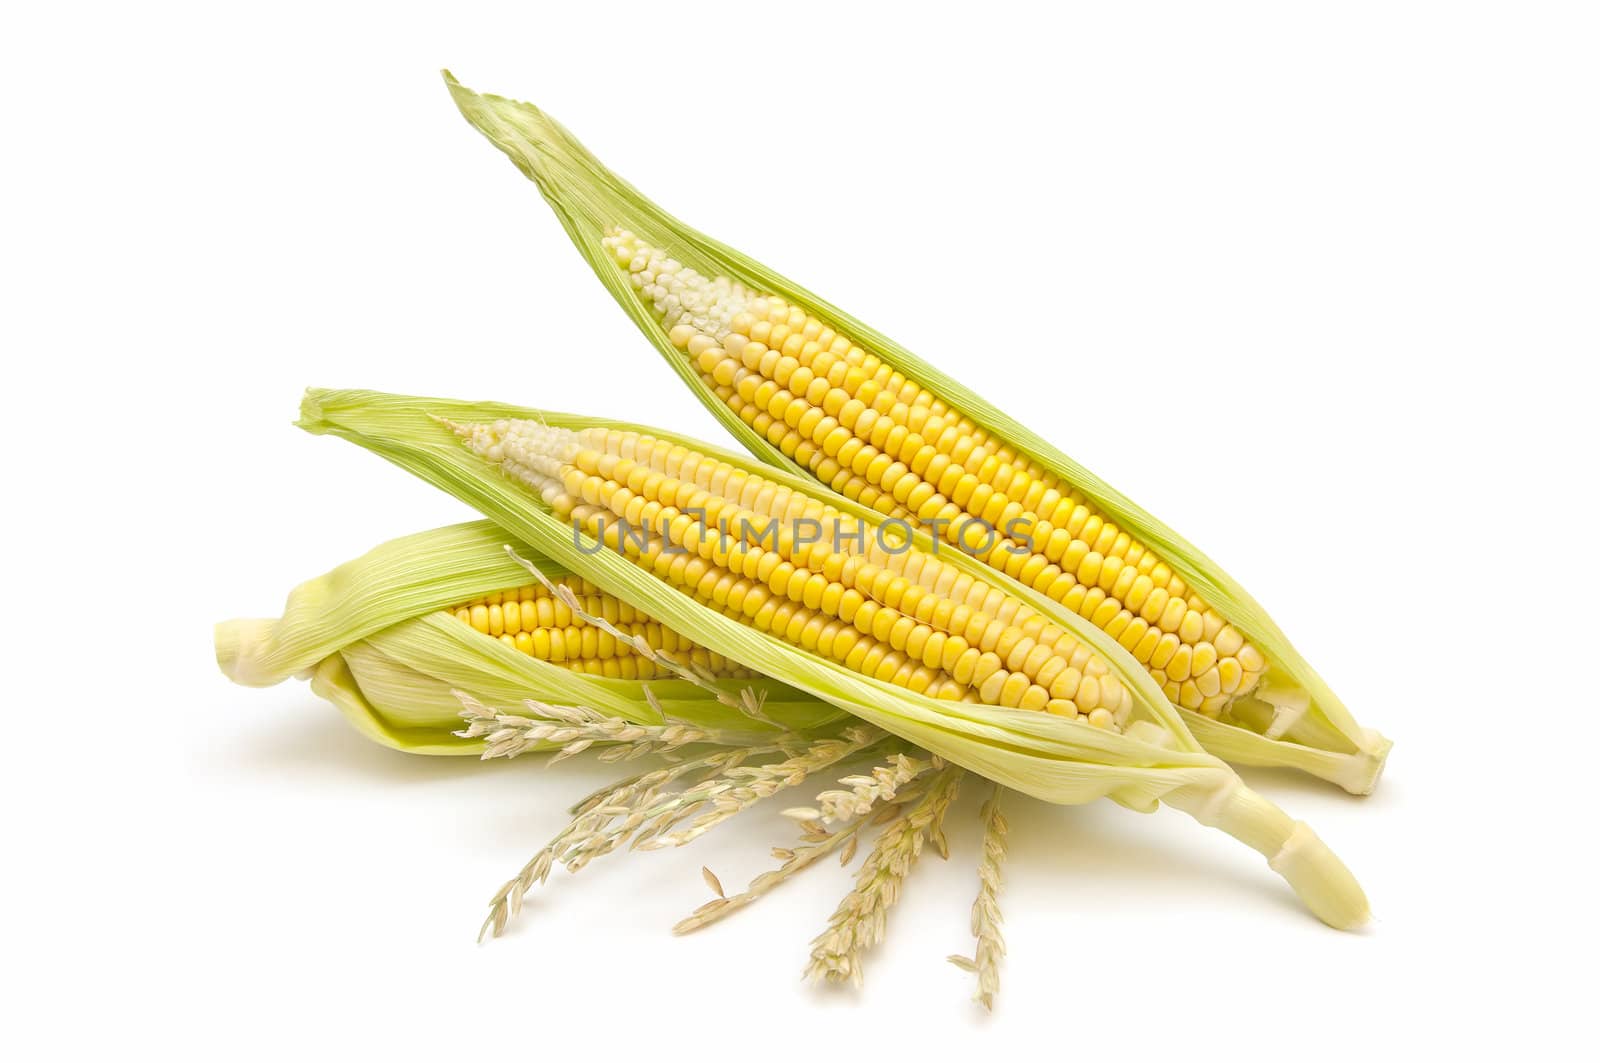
(373, 638)
(1324, 740)
(1042, 755)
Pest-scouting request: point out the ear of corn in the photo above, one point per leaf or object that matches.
(380, 637)
(541, 476)
(804, 386)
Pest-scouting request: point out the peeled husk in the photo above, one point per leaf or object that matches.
(1317, 734)
(374, 639)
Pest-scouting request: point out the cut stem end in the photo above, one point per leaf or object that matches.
(1292, 848)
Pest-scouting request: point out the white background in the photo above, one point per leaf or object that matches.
(1316, 285)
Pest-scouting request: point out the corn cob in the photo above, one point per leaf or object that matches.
(777, 602)
(804, 386)
(899, 616)
(383, 638)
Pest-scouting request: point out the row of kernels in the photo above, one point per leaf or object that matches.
(927, 574)
(795, 623)
(860, 463)
(858, 605)
(726, 521)
(722, 482)
(633, 666)
(568, 635)
(806, 426)
(968, 664)
(535, 611)
(789, 442)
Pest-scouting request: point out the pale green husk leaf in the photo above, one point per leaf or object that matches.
(373, 638)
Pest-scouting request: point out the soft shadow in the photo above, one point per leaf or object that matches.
(319, 741)
(1070, 844)
(1079, 843)
(1289, 783)
(523, 804)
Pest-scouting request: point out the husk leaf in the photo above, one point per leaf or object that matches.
(373, 638)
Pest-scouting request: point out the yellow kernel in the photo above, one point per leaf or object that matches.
(1146, 647)
(1088, 695)
(1105, 612)
(965, 663)
(1178, 667)
(1165, 648)
(1231, 674)
(1066, 684)
(1189, 695)
(1015, 687)
(1154, 605)
(1133, 635)
(900, 633)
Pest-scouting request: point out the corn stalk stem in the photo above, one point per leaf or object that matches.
(1291, 847)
